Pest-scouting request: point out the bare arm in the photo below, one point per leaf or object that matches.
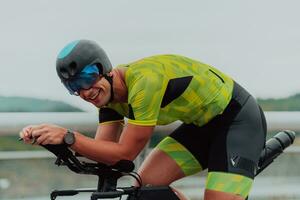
(132, 141)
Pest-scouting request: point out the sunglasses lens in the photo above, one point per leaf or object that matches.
(84, 80)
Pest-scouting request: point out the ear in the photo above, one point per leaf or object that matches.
(110, 74)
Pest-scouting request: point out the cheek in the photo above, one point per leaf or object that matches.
(100, 83)
(97, 83)
(103, 84)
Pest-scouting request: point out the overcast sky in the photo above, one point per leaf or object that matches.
(257, 42)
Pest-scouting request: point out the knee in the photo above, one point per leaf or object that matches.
(152, 179)
(213, 195)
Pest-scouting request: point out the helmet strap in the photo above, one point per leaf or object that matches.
(110, 80)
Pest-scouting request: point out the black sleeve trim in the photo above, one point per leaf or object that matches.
(131, 113)
(108, 114)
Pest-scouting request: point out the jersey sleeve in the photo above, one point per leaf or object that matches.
(108, 115)
(144, 99)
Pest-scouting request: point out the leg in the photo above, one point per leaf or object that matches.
(183, 153)
(211, 194)
(235, 152)
(227, 186)
(159, 169)
(171, 160)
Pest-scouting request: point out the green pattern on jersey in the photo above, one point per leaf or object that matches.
(207, 94)
(229, 183)
(185, 160)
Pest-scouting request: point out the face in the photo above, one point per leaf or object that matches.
(98, 94)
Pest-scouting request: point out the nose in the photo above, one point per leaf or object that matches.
(84, 93)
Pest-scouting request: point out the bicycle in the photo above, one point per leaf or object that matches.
(109, 175)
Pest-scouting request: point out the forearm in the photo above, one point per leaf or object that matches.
(133, 140)
(100, 150)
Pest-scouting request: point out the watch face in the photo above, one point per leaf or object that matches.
(69, 138)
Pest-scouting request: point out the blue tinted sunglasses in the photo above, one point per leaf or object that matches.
(84, 80)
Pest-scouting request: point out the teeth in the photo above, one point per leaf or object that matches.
(95, 95)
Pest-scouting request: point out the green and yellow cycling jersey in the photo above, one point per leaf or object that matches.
(166, 88)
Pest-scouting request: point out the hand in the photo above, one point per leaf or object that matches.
(25, 134)
(44, 134)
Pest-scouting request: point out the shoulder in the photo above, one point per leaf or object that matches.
(146, 70)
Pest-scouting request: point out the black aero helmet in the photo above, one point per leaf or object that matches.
(78, 54)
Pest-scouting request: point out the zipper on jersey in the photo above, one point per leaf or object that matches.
(217, 75)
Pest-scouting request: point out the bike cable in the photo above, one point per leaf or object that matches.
(136, 176)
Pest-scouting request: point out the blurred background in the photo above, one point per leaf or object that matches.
(255, 42)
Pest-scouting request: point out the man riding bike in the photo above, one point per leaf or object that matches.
(223, 128)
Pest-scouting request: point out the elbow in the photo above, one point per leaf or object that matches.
(126, 154)
(123, 152)
(116, 159)
(129, 157)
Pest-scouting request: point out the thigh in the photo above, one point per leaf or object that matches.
(159, 169)
(213, 195)
(183, 153)
(189, 146)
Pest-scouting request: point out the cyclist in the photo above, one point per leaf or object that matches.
(223, 128)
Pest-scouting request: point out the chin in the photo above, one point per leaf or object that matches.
(100, 104)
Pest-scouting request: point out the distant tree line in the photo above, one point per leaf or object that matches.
(26, 104)
(291, 103)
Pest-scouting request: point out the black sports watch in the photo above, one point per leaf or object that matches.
(69, 138)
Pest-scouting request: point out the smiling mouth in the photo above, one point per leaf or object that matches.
(93, 97)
